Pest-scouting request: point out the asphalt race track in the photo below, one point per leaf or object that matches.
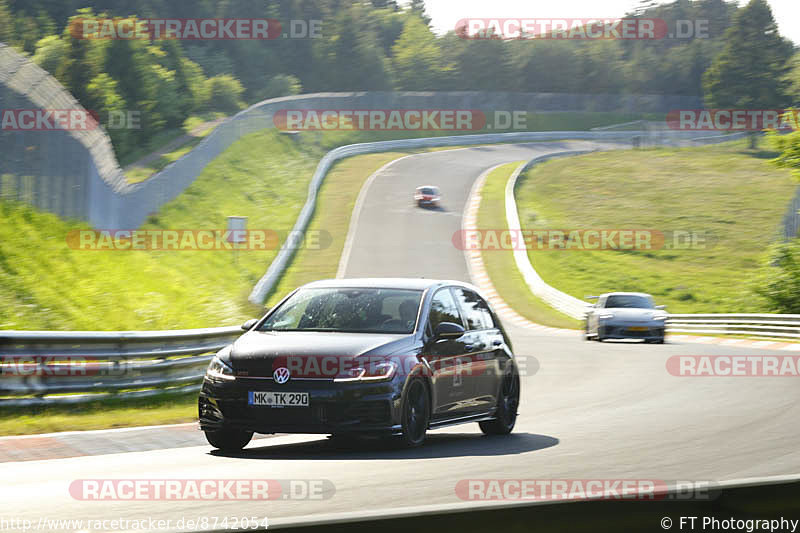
(591, 411)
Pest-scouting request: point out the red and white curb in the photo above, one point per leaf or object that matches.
(480, 278)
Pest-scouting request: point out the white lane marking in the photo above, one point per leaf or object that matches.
(356, 214)
(477, 271)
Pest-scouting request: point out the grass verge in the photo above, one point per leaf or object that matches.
(166, 409)
(45, 284)
(727, 193)
(500, 265)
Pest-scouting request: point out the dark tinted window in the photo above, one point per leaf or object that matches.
(443, 309)
(360, 310)
(629, 300)
(475, 310)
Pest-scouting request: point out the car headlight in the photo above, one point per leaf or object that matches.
(606, 315)
(373, 372)
(218, 369)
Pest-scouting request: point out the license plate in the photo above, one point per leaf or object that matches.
(278, 399)
(638, 328)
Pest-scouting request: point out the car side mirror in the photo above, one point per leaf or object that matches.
(247, 326)
(661, 307)
(448, 329)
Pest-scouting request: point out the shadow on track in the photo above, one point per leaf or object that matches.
(435, 208)
(436, 446)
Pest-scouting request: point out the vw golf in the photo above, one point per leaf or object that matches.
(391, 357)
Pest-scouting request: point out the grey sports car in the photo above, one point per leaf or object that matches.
(625, 315)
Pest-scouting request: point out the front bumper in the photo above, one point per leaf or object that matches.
(631, 330)
(348, 407)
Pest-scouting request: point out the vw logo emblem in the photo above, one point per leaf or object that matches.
(281, 375)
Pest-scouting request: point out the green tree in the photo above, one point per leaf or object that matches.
(103, 90)
(50, 52)
(750, 71)
(417, 7)
(780, 281)
(6, 23)
(225, 93)
(419, 64)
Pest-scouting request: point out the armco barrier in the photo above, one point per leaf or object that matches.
(768, 326)
(80, 366)
(752, 325)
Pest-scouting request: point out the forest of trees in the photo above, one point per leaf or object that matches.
(366, 45)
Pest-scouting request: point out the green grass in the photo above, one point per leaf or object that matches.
(572, 121)
(165, 409)
(141, 173)
(158, 140)
(44, 284)
(500, 265)
(730, 192)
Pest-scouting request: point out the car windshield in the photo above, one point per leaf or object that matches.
(428, 190)
(352, 310)
(628, 300)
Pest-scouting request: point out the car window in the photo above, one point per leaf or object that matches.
(474, 309)
(443, 309)
(357, 310)
(630, 301)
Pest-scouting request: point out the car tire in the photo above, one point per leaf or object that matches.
(228, 440)
(416, 413)
(660, 341)
(507, 405)
(599, 336)
(586, 335)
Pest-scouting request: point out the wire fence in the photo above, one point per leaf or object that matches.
(75, 174)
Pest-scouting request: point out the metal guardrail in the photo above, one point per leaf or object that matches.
(45, 367)
(765, 326)
(752, 325)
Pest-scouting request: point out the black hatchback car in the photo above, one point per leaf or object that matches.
(364, 356)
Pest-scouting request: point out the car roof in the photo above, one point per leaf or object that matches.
(627, 294)
(386, 283)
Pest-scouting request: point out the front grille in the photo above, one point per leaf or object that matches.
(366, 412)
(283, 416)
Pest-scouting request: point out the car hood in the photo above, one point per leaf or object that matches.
(255, 351)
(634, 315)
